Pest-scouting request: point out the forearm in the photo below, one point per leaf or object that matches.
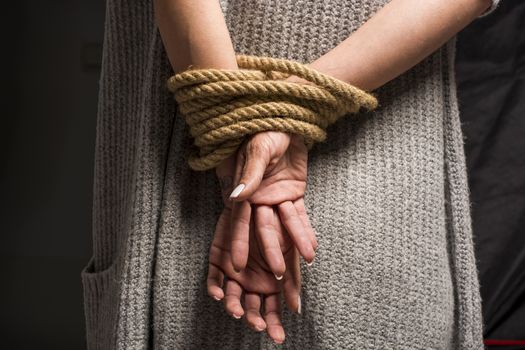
(396, 38)
(194, 33)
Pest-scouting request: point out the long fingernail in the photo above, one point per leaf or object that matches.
(237, 191)
(298, 304)
(278, 278)
(310, 263)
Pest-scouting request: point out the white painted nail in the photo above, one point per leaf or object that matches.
(278, 278)
(216, 298)
(298, 304)
(237, 191)
(236, 316)
(310, 263)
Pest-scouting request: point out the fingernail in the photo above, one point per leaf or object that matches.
(236, 316)
(299, 304)
(237, 191)
(237, 271)
(278, 277)
(259, 328)
(216, 298)
(310, 263)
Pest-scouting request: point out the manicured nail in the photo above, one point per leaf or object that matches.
(310, 263)
(278, 277)
(237, 191)
(216, 298)
(299, 304)
(259, 328)
(236, 316)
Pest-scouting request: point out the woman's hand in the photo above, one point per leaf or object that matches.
(250, 238)
(256, 280)
(271, 170)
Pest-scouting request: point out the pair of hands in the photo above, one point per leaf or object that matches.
(262, 231)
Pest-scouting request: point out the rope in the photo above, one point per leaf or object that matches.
(223, 107)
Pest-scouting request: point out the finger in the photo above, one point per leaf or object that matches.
(252, 304)
(222, 228)
(240, 230)
(279, 192)
(214, 282)
(225, 172)
(294, 226)
(232, 299)
(301, 211)
(215, 275)
(272, 316)
(292, 281)
(254, 158)
(266, 231)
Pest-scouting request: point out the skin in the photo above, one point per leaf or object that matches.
(256, 280)
(194, 33)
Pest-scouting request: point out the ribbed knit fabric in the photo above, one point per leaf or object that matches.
(387, 193)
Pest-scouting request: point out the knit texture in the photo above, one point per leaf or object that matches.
(222, 107)
(387, 194)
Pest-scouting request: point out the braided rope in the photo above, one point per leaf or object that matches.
(222, 107)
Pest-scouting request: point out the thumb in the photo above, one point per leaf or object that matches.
(251, 167)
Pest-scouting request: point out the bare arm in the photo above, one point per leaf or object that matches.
(393, 40)
(397, 37)
(194, 33)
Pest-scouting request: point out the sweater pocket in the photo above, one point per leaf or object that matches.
(100, 306)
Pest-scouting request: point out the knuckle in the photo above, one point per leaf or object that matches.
(291, 218)
(238, 245)
(240, 222)
(272, 313)
(256, 148)
(266, 228)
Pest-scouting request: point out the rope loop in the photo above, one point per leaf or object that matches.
(222, 107)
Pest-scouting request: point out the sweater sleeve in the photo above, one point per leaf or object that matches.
(490, 9)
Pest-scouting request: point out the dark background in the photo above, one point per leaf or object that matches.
(51, 66)
(490, 69)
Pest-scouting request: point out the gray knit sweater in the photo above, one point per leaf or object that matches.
(387, 193)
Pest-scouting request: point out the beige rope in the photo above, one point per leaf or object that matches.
(222, 107)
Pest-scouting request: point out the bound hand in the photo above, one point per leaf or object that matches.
(255, 281)
(271, 170)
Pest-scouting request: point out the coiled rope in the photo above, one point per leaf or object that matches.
(222, 107)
